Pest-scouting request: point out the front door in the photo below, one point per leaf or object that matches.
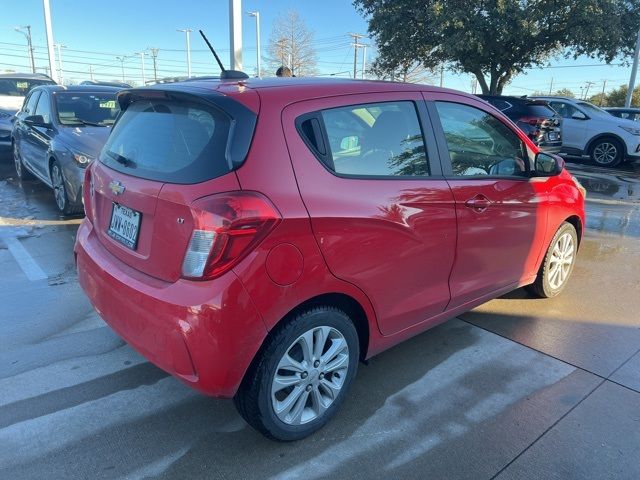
(382, 214)
(498, 203)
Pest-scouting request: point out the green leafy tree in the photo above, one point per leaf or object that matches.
(599, 99)
(498, 39)
(565, 92)
(617, 97)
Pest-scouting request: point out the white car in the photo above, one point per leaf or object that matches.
(13, 88)
(589, 130)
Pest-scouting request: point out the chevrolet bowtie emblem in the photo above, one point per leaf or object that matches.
(116, 187)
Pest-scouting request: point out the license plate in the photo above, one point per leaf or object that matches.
(553, 136)
(124, 225)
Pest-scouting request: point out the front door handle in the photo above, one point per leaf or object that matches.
(479, 203)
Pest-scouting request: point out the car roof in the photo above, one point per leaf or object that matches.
(78, 88)
(26, 76)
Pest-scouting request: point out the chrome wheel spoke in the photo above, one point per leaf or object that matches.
(296, 412)
(329, 388)
(320, 337)
(284, 407)
(290, 364)
(318, 402)
(306, 343)
(281, 382)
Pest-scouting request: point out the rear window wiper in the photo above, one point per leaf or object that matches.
(127, 162)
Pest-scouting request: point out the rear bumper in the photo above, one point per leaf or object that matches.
(204, 333)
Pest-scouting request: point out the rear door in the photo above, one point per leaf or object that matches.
(163, 154)
(574, 130)
(382, 214)
(500, 220)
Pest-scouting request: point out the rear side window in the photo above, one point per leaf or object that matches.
(169, 141)
(540, 110)
(377, 139)
(30, 106)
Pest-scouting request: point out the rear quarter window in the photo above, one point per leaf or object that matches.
(169, 141)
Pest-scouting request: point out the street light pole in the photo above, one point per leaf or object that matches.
(121, 60)
(257, 17)
(141, 54)
(634, 71)
(187, 31)
(59, 46)
(27, 34)
(49, 30)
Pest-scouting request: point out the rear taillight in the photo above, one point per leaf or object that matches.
(535, 121)
(226, 228)
(87, 193)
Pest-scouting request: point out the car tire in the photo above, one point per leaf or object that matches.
(316, 383)
(606, 152)
(21, 172)
(557, 264)
(60, 192)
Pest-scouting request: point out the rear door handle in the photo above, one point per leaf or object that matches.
(479, 203)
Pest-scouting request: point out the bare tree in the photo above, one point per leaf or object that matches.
(409, 73)
(291, 45)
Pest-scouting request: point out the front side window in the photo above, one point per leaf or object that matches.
(44, 108)
(377, 139)
(480, 144)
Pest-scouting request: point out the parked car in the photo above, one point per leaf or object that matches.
(13, 88)
(589, 130)
(58, 132)
(257, 238)
(628, 113)
(534, 117)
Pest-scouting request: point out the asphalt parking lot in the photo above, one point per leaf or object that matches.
(518, 388)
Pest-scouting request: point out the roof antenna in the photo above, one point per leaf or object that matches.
(224, 74)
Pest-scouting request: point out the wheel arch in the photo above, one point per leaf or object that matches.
(600, 136)
(577, 224)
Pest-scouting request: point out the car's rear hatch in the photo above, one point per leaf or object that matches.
(546, 120)
(169, 147)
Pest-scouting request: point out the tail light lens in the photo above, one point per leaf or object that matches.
(226, 228)
(534, 121)
(87, 193)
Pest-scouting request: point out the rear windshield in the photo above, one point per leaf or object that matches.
(540, 110)
(19, 87)
(86, 108)
(169, 141)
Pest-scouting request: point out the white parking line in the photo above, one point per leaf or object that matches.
(28, 265)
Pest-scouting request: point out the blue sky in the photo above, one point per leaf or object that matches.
(96, 32)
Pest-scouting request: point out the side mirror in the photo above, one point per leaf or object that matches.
(547, 165)
(579, 116)
(36, 121)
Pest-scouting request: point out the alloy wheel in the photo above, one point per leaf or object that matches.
(58, 187)
(310, 375)
(562, 257)
(605, 153)
(18, 162)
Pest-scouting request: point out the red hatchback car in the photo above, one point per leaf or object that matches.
(258, 238)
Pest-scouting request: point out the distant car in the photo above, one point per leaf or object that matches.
(590, 130)
(58, 132)
(13, 88)
(628, 113)
(534, 117)
(106, 84)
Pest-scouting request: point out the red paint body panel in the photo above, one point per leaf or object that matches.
(410, 252)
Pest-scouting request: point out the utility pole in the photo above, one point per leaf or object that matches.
(551, 86)
(187, 31)
(634, 71)
(91, 72)
(235, 34)
(604, 85)
(256, 15)
(27, 34)
(59, 46)
(121, 60)
(364, 60)
(154, 56)
(141, 54)
(586, 92)
(49, 30)
(356, 45)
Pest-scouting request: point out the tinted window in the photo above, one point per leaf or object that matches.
(175, 142)
(380, 139)
(19, 87)
(78, 108)
(538, 110)
(479, 143)
(44, 107)
(500, 104)
(30, 106)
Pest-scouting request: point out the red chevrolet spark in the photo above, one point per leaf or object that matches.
(258, 238)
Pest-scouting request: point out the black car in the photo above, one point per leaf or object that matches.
(628, 113)
(58, 132)
(536, 118)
